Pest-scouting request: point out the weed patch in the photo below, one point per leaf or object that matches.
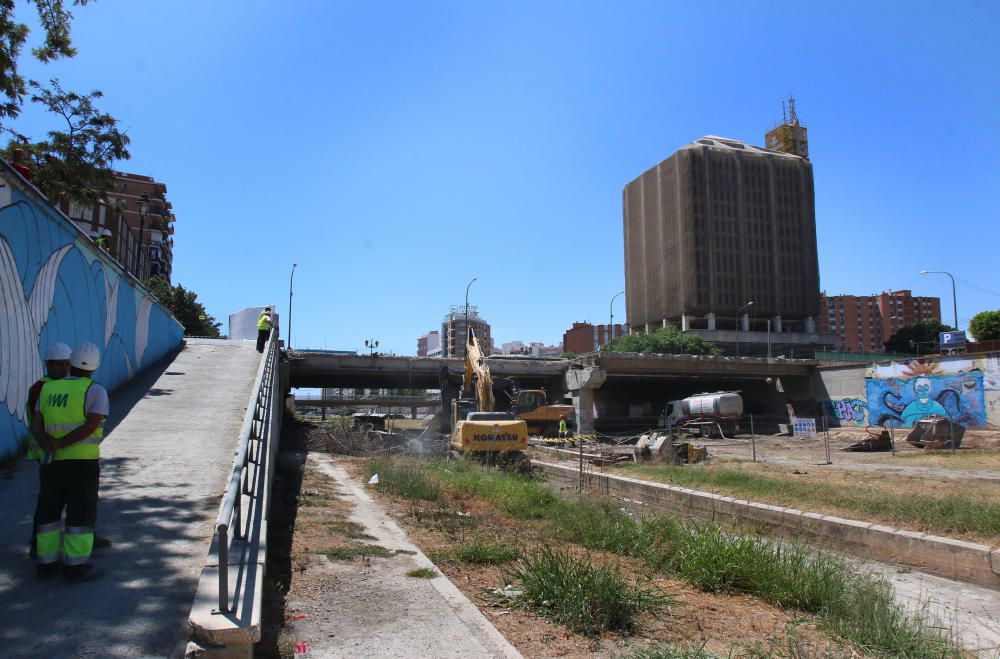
(351, 552)
(422, 573)
(403, 478)
(479, 552)
(587, 598)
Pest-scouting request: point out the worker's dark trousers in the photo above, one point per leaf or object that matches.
(262, 339)
(38, 505)
(71, 485)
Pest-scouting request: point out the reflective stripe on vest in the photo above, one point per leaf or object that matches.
(35, 451)
(63, 404)
(263, 322)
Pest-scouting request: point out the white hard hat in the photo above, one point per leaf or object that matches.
(86, 357)
(58, 352)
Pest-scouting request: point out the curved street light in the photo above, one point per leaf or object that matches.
(611, 320)
(290, 280)
(738, 324)
(467, 311)
(954, 301)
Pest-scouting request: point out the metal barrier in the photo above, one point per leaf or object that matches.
(254, 434)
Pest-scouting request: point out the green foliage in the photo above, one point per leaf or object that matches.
(985, 326)
(403, 479)
(569, 355)
(55, 21)
(353, 551)
(921, 338)
(846, 600)
(586, 597)
(422, 573)
(183, 303)
(480, 552)
(666, 340)
(75, 162)
(954, 512)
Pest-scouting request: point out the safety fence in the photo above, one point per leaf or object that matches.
(815, 439)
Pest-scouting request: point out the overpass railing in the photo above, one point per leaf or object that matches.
(227, 606)
(251, 457)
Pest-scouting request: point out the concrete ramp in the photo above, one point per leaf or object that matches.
(164, 466)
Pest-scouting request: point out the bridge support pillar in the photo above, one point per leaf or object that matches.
(581, 384)
(413, 413)
(323, 413)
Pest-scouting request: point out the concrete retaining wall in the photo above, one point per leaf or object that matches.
(955, 559)
(55, 285)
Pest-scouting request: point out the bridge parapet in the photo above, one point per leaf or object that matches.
(227, 607)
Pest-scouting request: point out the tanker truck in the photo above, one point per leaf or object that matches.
(702, 413)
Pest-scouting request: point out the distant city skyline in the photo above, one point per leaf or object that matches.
(397, 151)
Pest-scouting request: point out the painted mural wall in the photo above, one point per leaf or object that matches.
(55, 286)
(966, 390)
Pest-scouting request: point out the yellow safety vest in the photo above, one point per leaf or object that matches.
(35, 451)
(263, 321)
(63, 405)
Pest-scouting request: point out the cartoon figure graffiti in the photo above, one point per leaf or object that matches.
(923, 406)
(901, 395)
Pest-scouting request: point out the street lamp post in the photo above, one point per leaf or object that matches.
(611, 320)
(738, 323)
(291, 279)
(371, 344)
(467, 313)
(954, 300)
(140, 260)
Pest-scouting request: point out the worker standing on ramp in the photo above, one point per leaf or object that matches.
(69, 423)
(263, 328)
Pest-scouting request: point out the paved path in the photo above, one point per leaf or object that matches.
(973, 612)
(163, 468)
(377, 611)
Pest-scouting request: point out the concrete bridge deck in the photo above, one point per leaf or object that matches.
(164, 464)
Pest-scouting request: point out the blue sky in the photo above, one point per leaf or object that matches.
(397, 150)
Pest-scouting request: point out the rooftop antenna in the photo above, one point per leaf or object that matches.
(791, 111)
(784, 113)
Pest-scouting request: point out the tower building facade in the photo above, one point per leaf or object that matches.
(721, 237)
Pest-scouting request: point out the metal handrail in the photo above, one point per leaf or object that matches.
(230, 513)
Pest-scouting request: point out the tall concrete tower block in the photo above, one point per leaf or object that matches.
(717, 225)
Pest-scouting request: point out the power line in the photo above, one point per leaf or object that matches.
(985, 290)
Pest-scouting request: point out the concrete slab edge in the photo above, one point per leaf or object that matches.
(947, 557)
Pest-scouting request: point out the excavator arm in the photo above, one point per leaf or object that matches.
(477, 376)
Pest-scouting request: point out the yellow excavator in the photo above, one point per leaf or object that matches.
(476, 428)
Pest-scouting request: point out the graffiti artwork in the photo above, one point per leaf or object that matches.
(55, 286)
(850, 410)
(902, 394)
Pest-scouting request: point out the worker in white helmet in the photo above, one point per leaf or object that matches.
(69, 423)
(56, 368)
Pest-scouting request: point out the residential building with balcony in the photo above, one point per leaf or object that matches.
(454, 331)
(134, 222)
(863, 323)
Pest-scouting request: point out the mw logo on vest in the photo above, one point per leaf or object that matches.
(58, 400)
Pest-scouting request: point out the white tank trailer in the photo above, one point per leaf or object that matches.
(720, 406)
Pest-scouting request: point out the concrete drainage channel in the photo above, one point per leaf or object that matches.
(954, 559)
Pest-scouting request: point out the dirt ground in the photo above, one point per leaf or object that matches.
(979, 456)
(729, 625)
